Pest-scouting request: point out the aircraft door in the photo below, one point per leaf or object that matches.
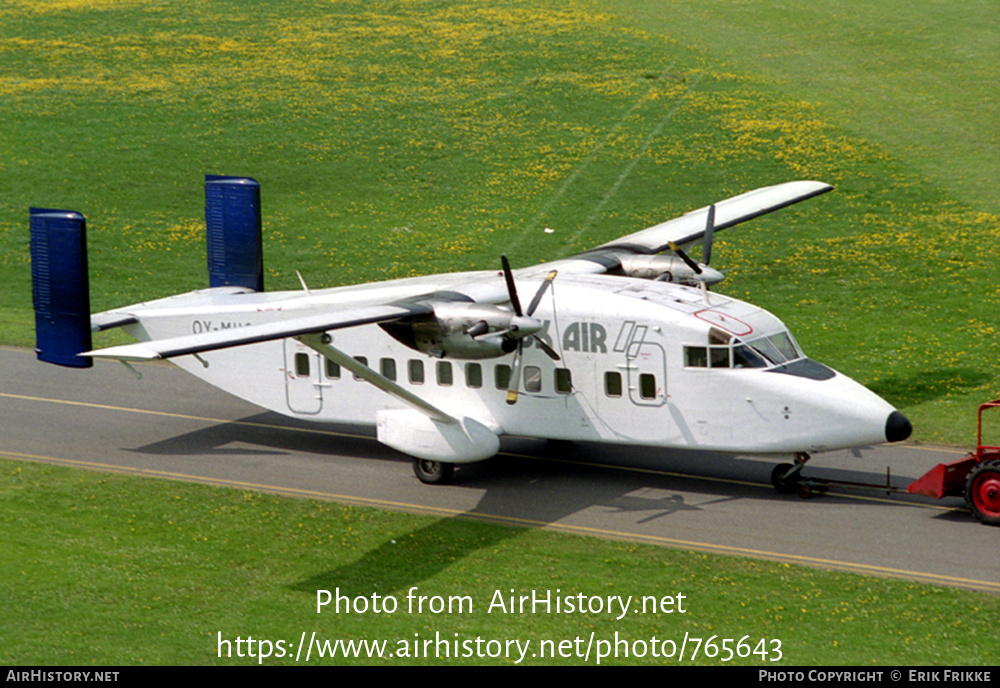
(646, 365)
(304, 381)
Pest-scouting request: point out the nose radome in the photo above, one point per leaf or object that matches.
(897, 427)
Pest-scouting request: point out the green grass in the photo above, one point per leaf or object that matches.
(915, 78)
(113, 570)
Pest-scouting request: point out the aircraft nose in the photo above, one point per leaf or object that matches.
(897, 427)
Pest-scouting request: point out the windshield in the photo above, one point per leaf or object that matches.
(726, 351)
(765, 352)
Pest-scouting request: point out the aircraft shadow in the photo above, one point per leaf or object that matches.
(531, 483)
(269, 434)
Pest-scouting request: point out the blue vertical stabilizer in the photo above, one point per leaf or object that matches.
(232, 218)
(60, 286)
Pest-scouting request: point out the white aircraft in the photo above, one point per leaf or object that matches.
(626, 345)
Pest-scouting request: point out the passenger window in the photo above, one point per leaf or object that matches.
(564, 381)
(502, 376)
(695, 357)
(532, 379)
(647, 386)
(332, 370)
(416, 371)
(363, 360)
(388, 368)
(613, 384)
(720, 356)
(474, 375)
(444, 373)
(302, 365)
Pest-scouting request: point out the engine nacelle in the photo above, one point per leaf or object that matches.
(463, 330)
(667, 268)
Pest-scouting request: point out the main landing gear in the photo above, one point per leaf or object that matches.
(433, 472)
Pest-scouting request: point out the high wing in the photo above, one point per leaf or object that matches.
(733, 211)
(253, 334)
(615, 256)
(472, 288)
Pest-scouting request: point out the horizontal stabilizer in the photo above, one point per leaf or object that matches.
(99, 322)
(60, 286)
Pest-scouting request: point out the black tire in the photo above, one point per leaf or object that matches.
(433, 472)
(982, 492)
(783, 486)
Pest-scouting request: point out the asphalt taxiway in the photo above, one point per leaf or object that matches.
(170, 425)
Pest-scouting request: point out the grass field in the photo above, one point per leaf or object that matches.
(409, 137)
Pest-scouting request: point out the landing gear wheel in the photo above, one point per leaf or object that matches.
(780, 484)
(982, 492)
(805, 491)
(433, 472)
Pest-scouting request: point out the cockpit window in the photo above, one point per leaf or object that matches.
(774, 349)
(762, 352)
(786, 345)
(747, 357)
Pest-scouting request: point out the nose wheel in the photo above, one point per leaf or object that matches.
(787, 479)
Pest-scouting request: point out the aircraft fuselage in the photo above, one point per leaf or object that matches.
(641, 362)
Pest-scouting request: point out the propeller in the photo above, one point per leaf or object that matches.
(515, 302)
(706, 242)
(706, 247)
(705, 274)
(685, 257)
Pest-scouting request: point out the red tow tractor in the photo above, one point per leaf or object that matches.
(977, 476)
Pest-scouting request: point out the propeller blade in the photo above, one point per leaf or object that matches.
(706, 246)
(511, 289)
(685, 257)
(541, 291)
(704, 292)
(515, 375)
(545, 347)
